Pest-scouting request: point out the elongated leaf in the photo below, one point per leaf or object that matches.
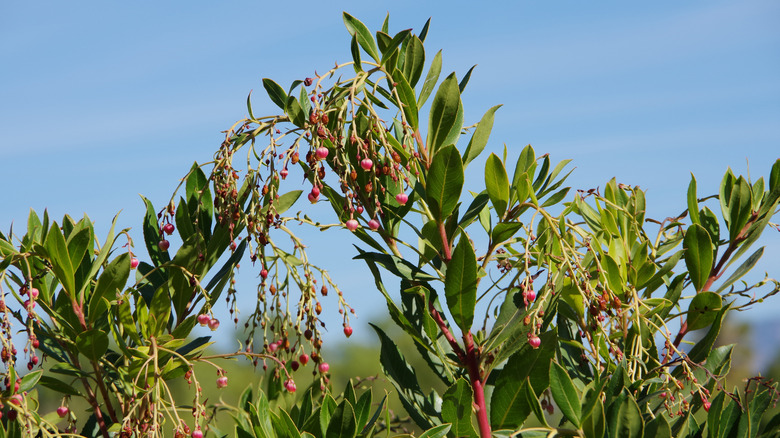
(740, 204)
(414, 61)
(363, 35)
(396, 265)
(342, 422)
(430, 79)
(287, 200)
(445, 182)
(460, 285)
(444, 114)
(439, 431)
(698, 255)
(465, 80)
(693, 203)
(406, 93)
(624, 418)
(743, 269)
(509, 405)
(275, 92)
(480, 137)
(58, 251)
(565, 394)
(497, 184)
(456, 408)
(504, 231)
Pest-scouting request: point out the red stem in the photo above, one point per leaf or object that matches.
(445, 243)
(472, 362)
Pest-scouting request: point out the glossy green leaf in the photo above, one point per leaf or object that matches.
(742, 270)
(396, 265)
(504, 231)
(497, 184)
(92, 343)
(29, 381)
(612, 270)
(594, 424)
(287, 200)
(363, 409)
(355, 50)
(509, 405)
(406, 93)
(443, 116)
(703, 309)
(342, 422)
(275, 92)
(295, 112)
(565, 394)
(698, 255)
(59, 386)
(394, 43)
(693, 202)
(439, 431)
(740, 207)
(283, 424)
(460, 284)
(430, 79)
(465, 80)
(624, 419)
(363, 35)
(58, 252)
(456, 408)
(701, 350)
(414, 61)
(480, 137)
(658, 428)
(445, 182)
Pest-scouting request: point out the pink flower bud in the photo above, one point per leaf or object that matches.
(366, 163)
(352, 225)
(373, 224)
(321, 152)
(401, 198)
(324, 367)
(222, 382)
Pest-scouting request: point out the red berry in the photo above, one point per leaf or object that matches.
(373, 224)
(304, 358)
(707, 406)
(359, 209)
(348, 331)
(321, 152)
(134, 263)
(366, 163)
(203, 319)
(308, 81)
(401, 198)
(34, 293)
(534, 341)
(294, 365)
(530, 295)
(324, 367)
(264, 273)
(163, 245)
(168, 228)
(314, 198)
(213, 324)
(352, 225)
(62, 411)
(315, 191)
(222, 382)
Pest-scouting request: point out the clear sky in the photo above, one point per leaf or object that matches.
(101, 101)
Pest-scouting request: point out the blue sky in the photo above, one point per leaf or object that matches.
(101, 101)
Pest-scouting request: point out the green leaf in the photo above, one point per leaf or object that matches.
(460, 284)
(465, 80)
(152, 235)
(29, 381)
(565, 394)
(743, 269)
(430, 79)
(396, 265)
(394, 43)
(740, 204)
(414, 61)
(703, 309)
(406, 93)
(509, 406)
(624, 419)
(439, 431)
(275, 92)
(443, 116)
(594, 424)
(445, 182)
(497, 184)
(58, 252)
(456, 408)
(287, 200)
(92, 343)
(480, 137)
(658, 428)
(698, 255)
(614, 278)
(295, 112)
(342, 422)
(355, 49)
(701, 350)
(693, 202)
(363, 35)
(59, 386)
(504, 231)
(283, 424)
